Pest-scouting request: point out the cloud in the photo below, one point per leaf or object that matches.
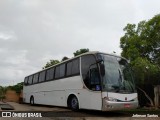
(5, 37)
(34, 31)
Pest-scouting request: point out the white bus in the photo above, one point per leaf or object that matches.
(93, 80)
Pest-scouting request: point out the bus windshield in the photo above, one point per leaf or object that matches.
(118, 76)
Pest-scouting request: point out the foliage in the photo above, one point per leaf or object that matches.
(2, 92)
(64, 58)
(141, 45)
(18, 87)
(51, 63)
(144, 70)
(78, 52)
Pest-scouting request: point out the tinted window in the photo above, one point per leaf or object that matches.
(50, 74)
(57, 72)
(87, 60)
(75, 66)
(90, 72)
(26, 81)
(94, 78)
(30, 80)
(69, 69)
(42, 76)
(35, 78)
(62, 70)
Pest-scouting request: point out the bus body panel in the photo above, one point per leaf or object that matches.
(90, 100)
(57, 92)
(44, 93)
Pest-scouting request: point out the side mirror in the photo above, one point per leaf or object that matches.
(102, 69)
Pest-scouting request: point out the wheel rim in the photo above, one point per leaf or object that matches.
(74, 103)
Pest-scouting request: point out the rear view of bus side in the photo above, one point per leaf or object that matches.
(93, 80)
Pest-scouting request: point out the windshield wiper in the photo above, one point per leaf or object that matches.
(120, 76)
(120, 89)
(116, 88)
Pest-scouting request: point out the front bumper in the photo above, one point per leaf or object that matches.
(110, 105)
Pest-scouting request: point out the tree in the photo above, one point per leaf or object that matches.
(64, 58)
(18, 87)
(143, 40)
(51, 63)
(83, 50)
(144, 71)
(141, 44)
(2, 93)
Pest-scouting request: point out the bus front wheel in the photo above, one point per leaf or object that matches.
(32, 100)
(74, 103)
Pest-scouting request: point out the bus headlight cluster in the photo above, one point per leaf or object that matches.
(110, 99)
(135, 99)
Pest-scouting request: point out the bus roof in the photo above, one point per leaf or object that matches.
(87, 53)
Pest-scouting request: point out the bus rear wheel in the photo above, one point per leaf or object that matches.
(74, 105)
(32, 100)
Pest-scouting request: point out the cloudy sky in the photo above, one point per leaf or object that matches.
(34, 31)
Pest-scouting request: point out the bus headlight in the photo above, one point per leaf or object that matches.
(110, 99)
(135, 99)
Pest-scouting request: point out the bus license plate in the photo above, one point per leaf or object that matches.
(127, 105)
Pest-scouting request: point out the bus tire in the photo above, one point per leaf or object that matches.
(32, 100)
(74, 104)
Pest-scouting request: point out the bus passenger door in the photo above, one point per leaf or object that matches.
(91, 93)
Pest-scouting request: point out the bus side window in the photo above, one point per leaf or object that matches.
(30, 79)
(57, 72)
(72, 67)
(69, 69)
(35, 78)
(90, 72)
(26, 81)
(62, 70)
(75, 66)
(42, 76)
(50, 74)
(94, 78)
